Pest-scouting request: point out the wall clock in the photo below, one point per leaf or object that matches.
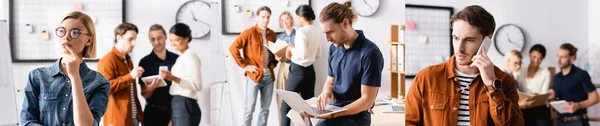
(365, 8)
(509, 37)
(196, 14)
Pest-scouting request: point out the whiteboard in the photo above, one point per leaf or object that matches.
(45, 15)
(8, 107)
(431, 32)
(235, 21)
(589, 61)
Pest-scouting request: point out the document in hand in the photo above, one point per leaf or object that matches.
(538, 99)
(149, 79)
(278, 48)
(558, 106)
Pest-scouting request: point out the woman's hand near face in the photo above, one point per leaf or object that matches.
(72, 62)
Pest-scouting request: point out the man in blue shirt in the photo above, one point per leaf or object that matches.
(573, 85)
(158, 99)
(354, 69)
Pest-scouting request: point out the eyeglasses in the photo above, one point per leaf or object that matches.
(74, 33)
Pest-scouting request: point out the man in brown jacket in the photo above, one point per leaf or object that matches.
(467, 89)
(123, 106)
(258, 64)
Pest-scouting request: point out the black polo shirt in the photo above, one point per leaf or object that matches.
(573, 87)
(151, 64)
(361, 64)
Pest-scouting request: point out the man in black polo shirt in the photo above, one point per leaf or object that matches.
(354, 69)
(574, 86)
(158, 99)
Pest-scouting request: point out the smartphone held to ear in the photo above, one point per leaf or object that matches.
(487, 42)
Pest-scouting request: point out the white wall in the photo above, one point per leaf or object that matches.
(3, 12)
(594, 39)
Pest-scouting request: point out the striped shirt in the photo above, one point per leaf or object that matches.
(266, 53)
(132, 100)
(463, 110)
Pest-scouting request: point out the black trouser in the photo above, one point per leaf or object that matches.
(537, 116)
(157, 115)
(186, 111)
(361, 119)
(301, 80)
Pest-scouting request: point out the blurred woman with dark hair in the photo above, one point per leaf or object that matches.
(305, 51)
(186, 79)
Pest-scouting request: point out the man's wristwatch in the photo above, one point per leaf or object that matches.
(496, 85)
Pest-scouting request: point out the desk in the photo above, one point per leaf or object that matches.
(377, 119)
(386, 119)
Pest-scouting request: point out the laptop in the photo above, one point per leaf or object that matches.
(393, 108)
(298, 104)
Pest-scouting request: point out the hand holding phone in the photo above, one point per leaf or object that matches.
(483, 62)
(486, 43)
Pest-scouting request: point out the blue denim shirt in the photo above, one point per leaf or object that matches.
(48, 99)
(288, 39)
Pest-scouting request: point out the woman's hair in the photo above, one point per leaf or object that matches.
(539, 48)
(338, 12)
(306, 11)
(289, 15)
(88, 51)
(510, 55)
(182, 30)
(157, 27)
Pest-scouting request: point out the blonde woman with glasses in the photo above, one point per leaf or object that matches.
(68, 92)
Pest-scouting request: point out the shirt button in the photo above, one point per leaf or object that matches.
(64, 108)
(67, 95)
(493, 97)
(454, 108)
(457, 89)
(45, 97)
(431, 106)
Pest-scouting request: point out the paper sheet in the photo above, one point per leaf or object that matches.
(278, 48)
(558, 106)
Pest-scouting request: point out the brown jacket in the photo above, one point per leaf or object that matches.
(434, 97)
(251, 43)
(113, 67)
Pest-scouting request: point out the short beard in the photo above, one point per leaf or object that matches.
(566, 65)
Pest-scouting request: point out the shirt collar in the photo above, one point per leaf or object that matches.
(450, 68)
(167, 57)
(359, 40)
(260, 31)
(56, 69)
(573, 69)
(291, 34)
(116, 52)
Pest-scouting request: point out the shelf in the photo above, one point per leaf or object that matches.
(398, 72)
(397, 43)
